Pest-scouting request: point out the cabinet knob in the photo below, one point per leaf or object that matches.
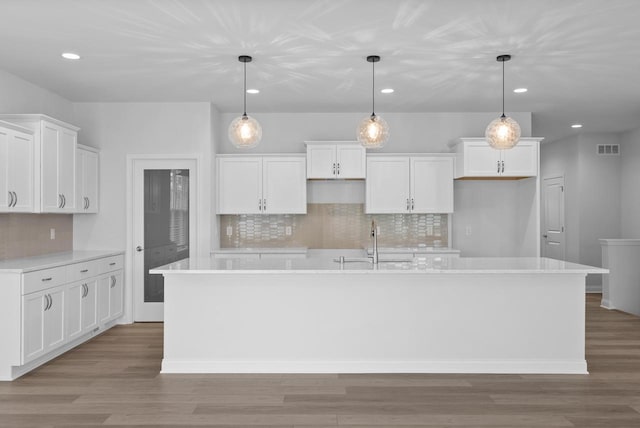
(139, 248)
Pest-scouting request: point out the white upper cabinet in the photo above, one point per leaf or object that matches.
(16, 169)
(54, 161)
(409, 184)
(475, 158)
(87, 161)
(262, 185)
(335, 160)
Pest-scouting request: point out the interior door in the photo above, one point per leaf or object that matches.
(164, 227)
(553, 238)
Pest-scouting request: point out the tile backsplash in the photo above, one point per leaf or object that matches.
(26, 235)
(332, 226)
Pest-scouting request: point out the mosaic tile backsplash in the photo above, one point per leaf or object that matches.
(333, 226)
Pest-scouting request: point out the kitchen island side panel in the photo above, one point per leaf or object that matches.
(359, 323)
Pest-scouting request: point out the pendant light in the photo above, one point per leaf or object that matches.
(245, 132)
(373, 131)
(503, 132)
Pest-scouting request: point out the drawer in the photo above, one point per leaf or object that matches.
(43, 279)
(112, 263)
(78, 271)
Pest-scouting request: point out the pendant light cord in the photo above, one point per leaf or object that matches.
(245, 90)
(503, 115)
(373, 88)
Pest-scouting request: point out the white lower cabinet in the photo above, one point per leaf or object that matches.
(44, 312)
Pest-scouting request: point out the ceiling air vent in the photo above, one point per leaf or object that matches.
(608, 149)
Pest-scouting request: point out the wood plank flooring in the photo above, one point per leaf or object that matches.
(114, 381)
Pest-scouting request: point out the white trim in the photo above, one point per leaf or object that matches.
(428, 366)
(129, 293)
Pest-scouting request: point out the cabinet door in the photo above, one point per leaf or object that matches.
(20, 171)
(67, 168)
(481, 160)
(54, 320)
(284, 185)
(321, 161)
(240, 185)
(5, 197)
(431, 185)
(521, 160)
(116, 288)
(351, 161)
(32, 326)
(51, 197)
(103, 288)
(73, 309)
(90, 306)
(387, 185)
(86, 181)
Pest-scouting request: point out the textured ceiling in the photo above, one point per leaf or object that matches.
(579, 59)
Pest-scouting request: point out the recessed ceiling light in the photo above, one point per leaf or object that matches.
(70, 55)
(520, 90)
(386, 90)
(253, 91)
(576, 125)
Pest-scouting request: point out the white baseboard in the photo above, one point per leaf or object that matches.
(480, 366)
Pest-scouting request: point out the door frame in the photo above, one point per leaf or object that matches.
(543, 217)
(197, 203)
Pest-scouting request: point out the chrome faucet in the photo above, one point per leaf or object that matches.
(374, 237)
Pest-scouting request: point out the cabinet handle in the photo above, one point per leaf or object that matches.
(10, 204)
(50, 301)
(264, 205)
(411, 204)
(334, 169)
(59, 200)
(503, 167)
(64, 201)
(47, 305)
(15, 198)
(46, 279)
(407, 204)
(498, 171)
(88, 202)
(259, 204)
(112, 264)
(338, 168)
(113, 281)
(84, 271)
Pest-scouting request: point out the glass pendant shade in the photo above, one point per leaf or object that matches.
(245, 132)
(373, 132)
(503, 133)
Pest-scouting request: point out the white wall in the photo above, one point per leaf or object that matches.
(20, 96)
(409, 132)
(119, 129)
(630, 184)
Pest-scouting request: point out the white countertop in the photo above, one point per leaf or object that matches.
(261, 250)
(620, 241)
(438, 265)
(29, 264)
(415, 250)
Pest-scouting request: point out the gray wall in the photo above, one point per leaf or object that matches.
(630, 184)
(592, 194)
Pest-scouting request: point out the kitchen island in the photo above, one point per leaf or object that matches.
(426, 315)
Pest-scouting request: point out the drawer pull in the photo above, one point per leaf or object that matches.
(112, 264)
(46, 279)
(84, 271)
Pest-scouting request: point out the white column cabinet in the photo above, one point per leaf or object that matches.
(262, 185)
(335, 160)
(87, 161)
(16, 168)
(475, 158)
(409, 184)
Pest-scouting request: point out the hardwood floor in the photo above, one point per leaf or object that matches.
(114, 380)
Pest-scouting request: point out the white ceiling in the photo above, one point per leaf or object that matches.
(579, 59)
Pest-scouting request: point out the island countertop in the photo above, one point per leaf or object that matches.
(417, 265)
